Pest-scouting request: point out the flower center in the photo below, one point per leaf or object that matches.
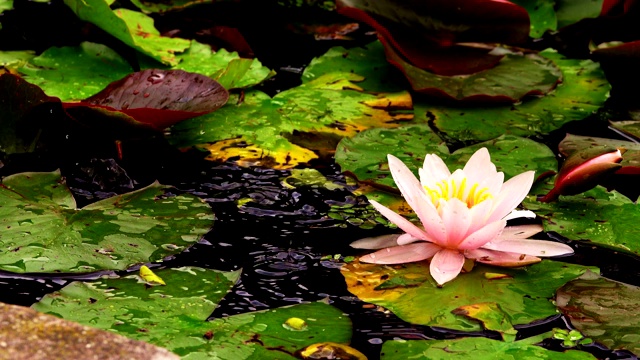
(450, 189)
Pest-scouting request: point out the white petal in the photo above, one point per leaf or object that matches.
(402, 254)
(457, 219)
(404, 224)
(530, 247)
(405, 239)
(512, 194)
(446, 265)
(519, 232)
(499, 258)
(434, 169)
(415, 195)
(479, 166)
(489, 232)
(376, 242)
(517, 214)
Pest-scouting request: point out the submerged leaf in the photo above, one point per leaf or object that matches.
(44, 232)
(601, 309)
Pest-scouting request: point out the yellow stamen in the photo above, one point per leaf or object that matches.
(450, 189)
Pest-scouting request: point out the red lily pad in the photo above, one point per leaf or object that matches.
(515, 77)
(156, 98)
(433, 35)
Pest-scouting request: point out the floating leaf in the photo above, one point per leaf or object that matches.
(475, 348)
(17, 99)
(365, 155)
(133, 28)
(173, 316)
(44, 232)
(158, 98)
(491, 316)
(583, 90)
(160, 7)
(75, 72)
(227, 68)
(542, 15)
(15, 59)
(601, 309)
(513, 78)
(523, 296)
(265, 131)
(424, 33)
(603, 217)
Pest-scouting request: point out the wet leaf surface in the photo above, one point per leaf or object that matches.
(75, 72)
(132, 28)
(513, 78)
(477, 348)
(173, 316)
(157, 98)
(264, 131)
(602, 310)
(44, 232)
(523, 295)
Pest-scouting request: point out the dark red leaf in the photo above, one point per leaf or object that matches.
(428, 33)
(159, 98)
(227, 37)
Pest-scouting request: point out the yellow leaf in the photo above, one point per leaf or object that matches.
(148, 276)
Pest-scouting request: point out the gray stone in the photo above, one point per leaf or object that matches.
(26, 334)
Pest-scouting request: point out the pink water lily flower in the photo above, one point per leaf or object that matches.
(463, 215)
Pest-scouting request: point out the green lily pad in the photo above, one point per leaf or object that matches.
(160, 7)
(173, 316)
(368, 61)
(75, 72)
(5, 5)
(571, 11)
(133, 28)
(523, 295)
(583, 90)
(15, 59)
(475, 348)
(542, 15)
(601, 308)
(365, 155)
(44, 232)
(491, 316)
(266, 131)
(631, 127)
(598, 215)
(227, 68)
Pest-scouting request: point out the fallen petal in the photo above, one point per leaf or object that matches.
(446, 265)
(376, 242)
(530, 247)
(402, 254)
(500, 258)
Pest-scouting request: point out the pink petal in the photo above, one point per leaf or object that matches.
(434, 169)
(446, 265)
(402, 223)
(519, 232)
(457, 219)
(415, 195)
(489, 232)
(376, 242)
(530, 247)
(517, 214)
(479, 166)
(479, 215)
(402, 254)
(512, 194)
(499, 258)
(405, 239)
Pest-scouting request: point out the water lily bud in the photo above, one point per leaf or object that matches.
(583, 170)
